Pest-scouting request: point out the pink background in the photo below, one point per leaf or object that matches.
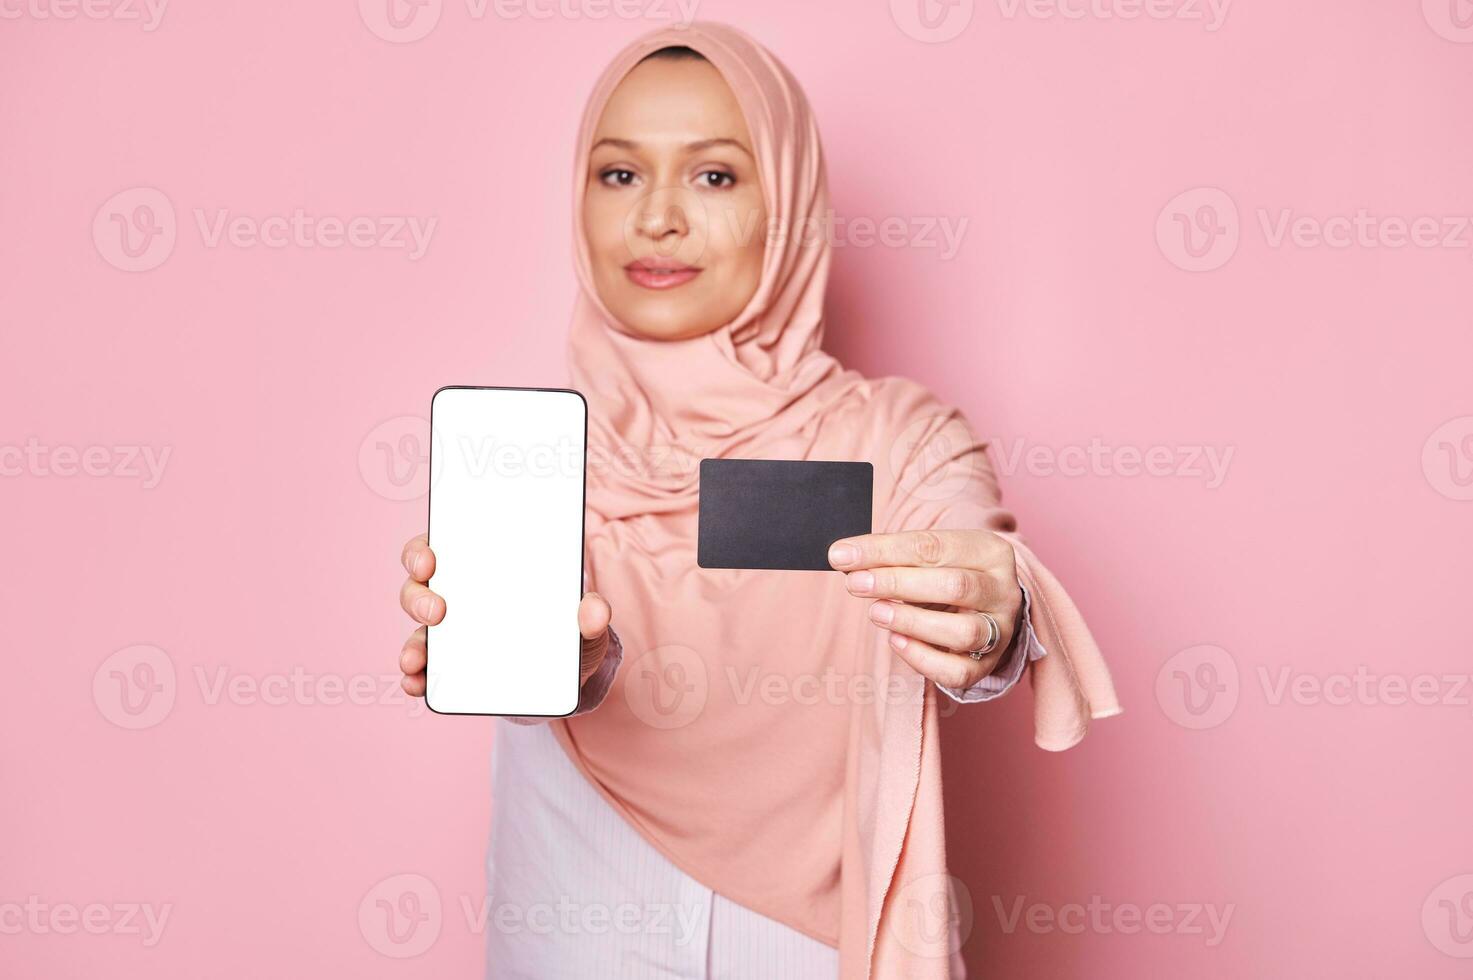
(1074, 311)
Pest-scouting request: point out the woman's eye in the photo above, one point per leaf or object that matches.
(716, 179)
(617, 178)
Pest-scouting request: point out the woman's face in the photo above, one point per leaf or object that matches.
(673, 212)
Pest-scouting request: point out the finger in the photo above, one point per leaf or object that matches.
(422, 604)
(594, 614)
(954, 670)
(413, 657)
(964, 587)
(945, 630)
(413, 684)
(417, 558)
(943, 546)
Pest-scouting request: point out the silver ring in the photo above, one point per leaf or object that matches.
(994, 633)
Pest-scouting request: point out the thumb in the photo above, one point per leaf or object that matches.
(594, 615)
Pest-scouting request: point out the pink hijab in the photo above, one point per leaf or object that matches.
(760, 733)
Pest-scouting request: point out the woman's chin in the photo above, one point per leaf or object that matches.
(657, 320)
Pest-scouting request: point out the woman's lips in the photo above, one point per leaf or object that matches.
(656, 274)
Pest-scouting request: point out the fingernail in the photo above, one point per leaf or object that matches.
(898, 641)
(843, 554)
(424, 607)
(861, 581)
(882, 613)
(414, 565)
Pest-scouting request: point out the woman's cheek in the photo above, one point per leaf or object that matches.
(741, 235)
(603, 226)
(744, 226)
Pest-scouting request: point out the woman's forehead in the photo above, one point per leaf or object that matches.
(672, 103)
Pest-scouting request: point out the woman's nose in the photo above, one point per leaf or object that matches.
(662, 213)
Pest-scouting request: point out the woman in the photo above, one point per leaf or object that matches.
(751, 785)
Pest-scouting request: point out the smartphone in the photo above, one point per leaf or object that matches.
(507, 493)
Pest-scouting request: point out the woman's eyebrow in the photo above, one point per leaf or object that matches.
(692, 147)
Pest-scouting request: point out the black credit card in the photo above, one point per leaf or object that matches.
(780, 513)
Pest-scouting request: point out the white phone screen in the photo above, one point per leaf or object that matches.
(506, 526)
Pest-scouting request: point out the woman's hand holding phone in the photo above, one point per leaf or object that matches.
(427, 608)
